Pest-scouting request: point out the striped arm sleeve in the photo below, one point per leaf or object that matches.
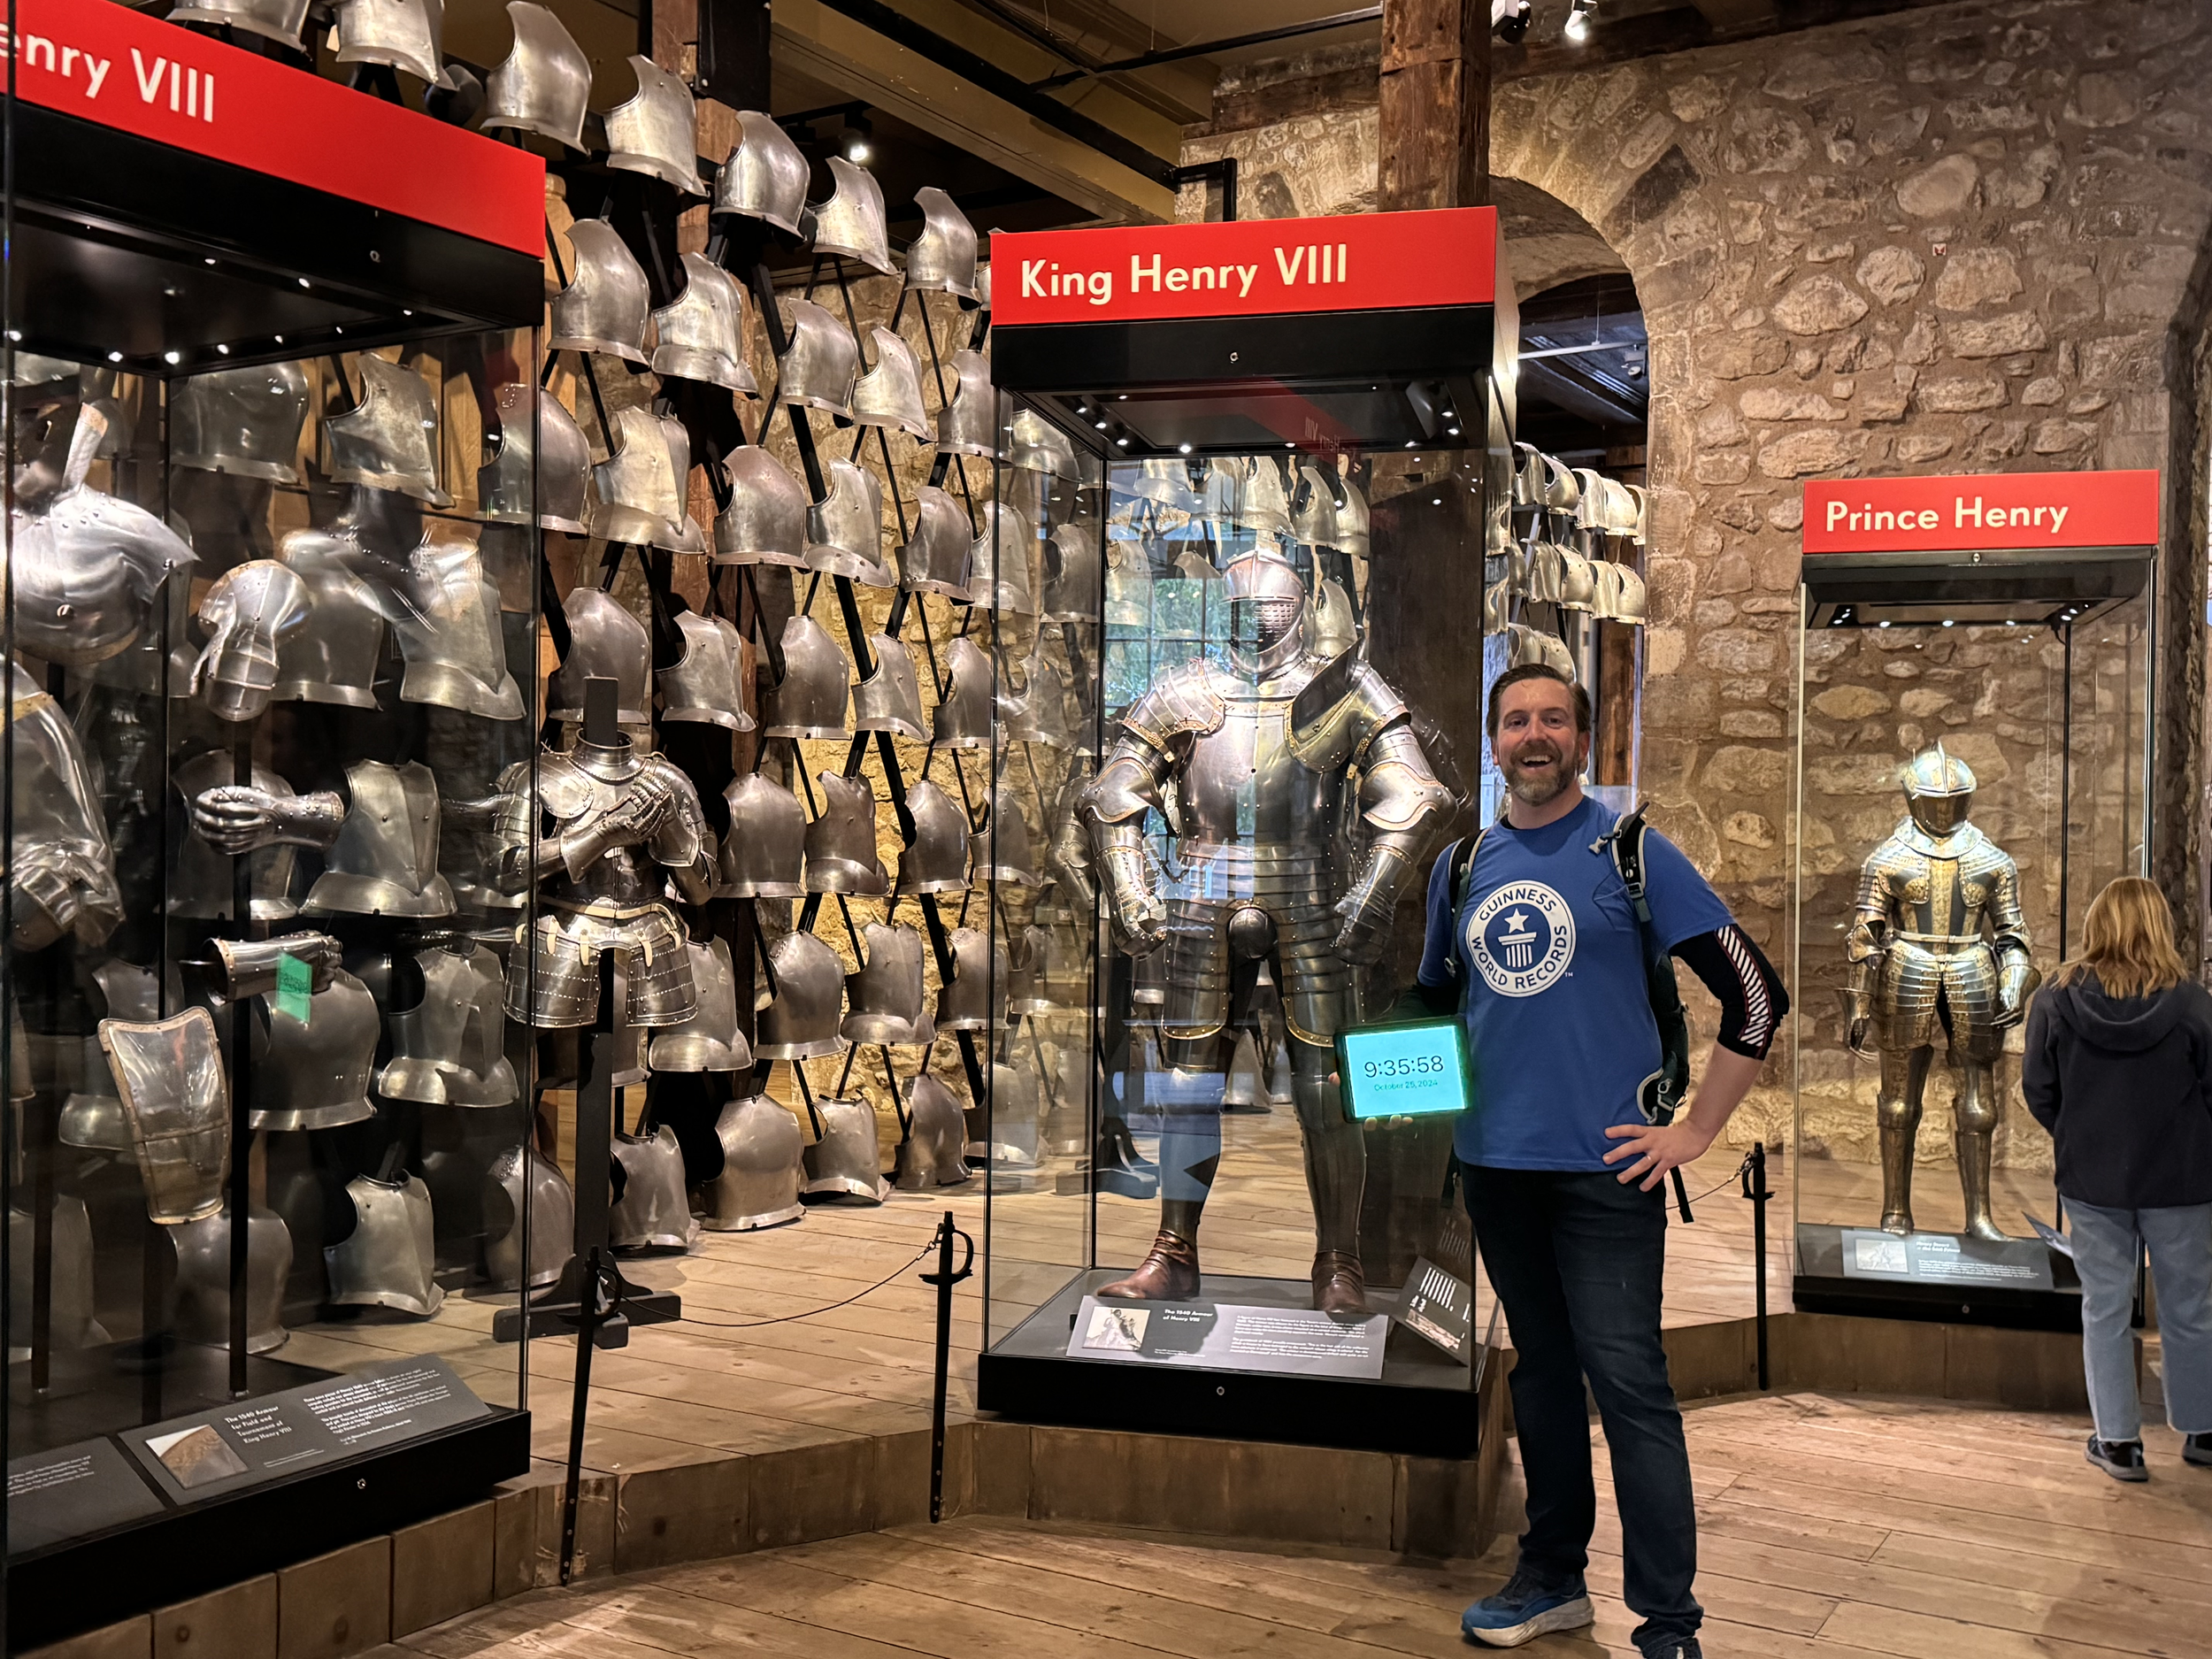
(1750, 993)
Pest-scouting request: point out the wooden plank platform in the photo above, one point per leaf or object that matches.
(1831, 1527)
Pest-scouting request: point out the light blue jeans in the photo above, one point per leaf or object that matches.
(2180, 1244)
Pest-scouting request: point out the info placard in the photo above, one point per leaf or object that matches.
(1229, 1336)
(1945, 1258)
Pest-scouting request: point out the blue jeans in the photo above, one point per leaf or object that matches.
(1577, 1260)
(2180, 1244)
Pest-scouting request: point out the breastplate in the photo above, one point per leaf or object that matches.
(702, 685)
(653, 1212)
(450, 1048)
(809, 700)
(277, 20)
(1002, 846)
(332, 656)
(1313, 518)
(605, 639)
(936, 860)
(761, 1167)
(885, 996)
(404, 34)
(841, 843)
(845, 1163)
(543, 85)
(763, 854)
(998, 561)
(799, 1021)
(243, 421)
(845, 528)
(1242, 786)
(765, 175)
(963, 720)
(1040, 447)
(456, 656)
(980, 973)
(314, 1073)
(819, 363)
(942, 257)
(385, 860)
(765, 521)
(250, 614)
(71, 1324)
(390, 1257)
(1073, 578)
(851, 222)
(176, 1100)
(606, 304)
(505, 485)
(202, 1284)
(969, 423)
(656, 132)
(86, 572)
(890, 699)
(386, 441)
(1351, 520)
(710, 1040)
(701, 332)
(520, 1178)
(935, 557)
(199, 886)
(1016, 1111)
(890, 394)
(936, 1137)
(641, 498)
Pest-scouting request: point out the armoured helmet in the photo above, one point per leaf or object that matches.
(980, 973)
(176, 1100)
(385, 860)
(998, 561)
(809, 700)
(941, 260)
(819, 363)
(521, 1180)
(710, 1040)
(935, 558)
(1072, 574)
(851, 222)
(890, 699)
(885, 996)
(277, 20)
(890, 394)
(1002, 846)
(404, 34)
(655, 131)
(845, 1162)
(841, 843)
(390, 1258)
(703, 685)
(765, 177)
(763, 853)
(1040, 447)
(202, 1284)
(456, 656)
(936, 860)
(799, 1019)
(765, 521)
(702, 331)
(969, 423)
(544, 85)
(1267, 601)
(503, 484)
(243, 421)
(605, 639)
(762, 1166)
(313, 1073)
(389, 440)
(845, 528)
(963, 720)
(653, 1212)
(1938, 790)
(606, 304)
(250, 613)
(933, 1154)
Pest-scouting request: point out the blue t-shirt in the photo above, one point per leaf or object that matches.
(1558, 1013)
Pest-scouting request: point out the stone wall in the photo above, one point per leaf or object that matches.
(1968, 238)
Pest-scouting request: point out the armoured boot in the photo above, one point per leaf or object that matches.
(1897, 1143)
(1169, 1272)
(1973, 1147)
(1339, 1285)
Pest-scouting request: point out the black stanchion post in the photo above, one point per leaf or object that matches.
(945, 1278)
(1755, 1188)
(586, 1330)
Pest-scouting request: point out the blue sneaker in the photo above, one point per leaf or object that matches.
(1526, 1609)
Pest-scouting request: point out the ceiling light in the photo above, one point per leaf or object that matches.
(1583, 14)
(223, 351)
(856, 142)
(172, 357)
(1099, 424)
(1882, 623)
(15, 334)
(1123, 442)
(1948, 622)
(115, 356)
(207, 262)
(1451, 431)
(304, 282)
(1182, 448)
(1436, 501)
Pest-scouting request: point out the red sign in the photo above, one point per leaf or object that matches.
(1997, 512)
(103, 61)
(1246, 268)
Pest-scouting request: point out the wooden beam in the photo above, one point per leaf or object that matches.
(1435, 115)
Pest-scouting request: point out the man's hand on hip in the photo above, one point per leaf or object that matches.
(1649, 1150)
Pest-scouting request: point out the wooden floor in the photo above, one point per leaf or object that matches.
(1829, 1528)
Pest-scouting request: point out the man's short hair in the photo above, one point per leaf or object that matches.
(1526, 673)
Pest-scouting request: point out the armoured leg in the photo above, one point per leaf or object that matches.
(1336, 1177)
(1904, 1079)
(1974, 1112)
(1190, 1154)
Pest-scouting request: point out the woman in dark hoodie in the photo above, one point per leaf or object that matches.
(2119, 1069)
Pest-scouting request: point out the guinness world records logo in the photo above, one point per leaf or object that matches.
(1521, 938)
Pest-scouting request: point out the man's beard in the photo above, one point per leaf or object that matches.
(1543, 787)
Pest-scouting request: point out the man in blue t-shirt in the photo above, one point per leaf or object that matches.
(1542, 952)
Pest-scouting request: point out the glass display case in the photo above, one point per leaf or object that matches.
(273, 611)
(1974, 729)
(1259, 540)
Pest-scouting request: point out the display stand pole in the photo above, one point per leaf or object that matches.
(945, 1278)
(598, 1302)
(1755, 1188)
(241, 1092)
